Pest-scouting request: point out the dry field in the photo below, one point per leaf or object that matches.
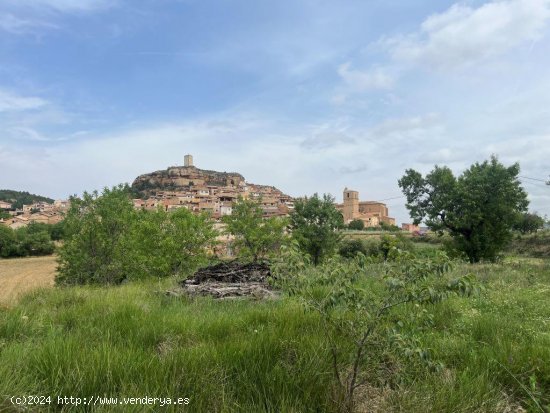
(20, 275)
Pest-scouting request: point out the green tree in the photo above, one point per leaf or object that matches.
(357, 225)
(164, 243)
(7, 242)
(107, 241)
(315, 223)
(36, 243)
(254, 236)
(477, 208)
(94, 250)
(528, 223)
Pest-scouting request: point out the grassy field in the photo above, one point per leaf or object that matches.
(20, 275)
(248, 356)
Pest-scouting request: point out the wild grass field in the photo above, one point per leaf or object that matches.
(272, 356)
(20, 275)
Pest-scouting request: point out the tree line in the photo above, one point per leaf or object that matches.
(106, 240)
(33, 240)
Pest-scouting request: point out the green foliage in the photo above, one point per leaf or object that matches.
(272, 356)
(131, 341)
(351, 248)
(357, 225)
(478, 208)
(8, 246)
(107, 241)
(163, 243)
(57, 231)
(4, 214)
(315, 223)
(18, 198)
(255, 236)
(33, 240)
(368, 316)
(389, 227)
(528, 223)
(379, 249)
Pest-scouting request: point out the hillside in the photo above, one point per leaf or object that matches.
(178, 178)
(18, 198)
(184, 178)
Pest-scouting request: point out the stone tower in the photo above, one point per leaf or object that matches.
(351, 205)
(188, 160)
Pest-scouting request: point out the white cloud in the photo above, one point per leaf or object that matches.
(15, 25)
(406, 127)
(10, 102)
(375, 78)
(326, 140)
(463, 35)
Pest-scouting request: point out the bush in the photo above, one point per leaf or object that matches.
(350, 248)
(8, 244)
(364, 325)
(32, 240)
(357, 225)
(107, 241)
(255, 237)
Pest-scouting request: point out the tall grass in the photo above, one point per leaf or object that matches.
(271, 356)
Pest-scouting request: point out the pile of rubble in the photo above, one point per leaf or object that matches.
(232, 279)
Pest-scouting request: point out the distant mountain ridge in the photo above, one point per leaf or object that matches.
(20, 198)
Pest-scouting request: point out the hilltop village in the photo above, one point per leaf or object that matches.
(201, 190)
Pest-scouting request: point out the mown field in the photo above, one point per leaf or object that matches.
(272, 356)
(21, 275)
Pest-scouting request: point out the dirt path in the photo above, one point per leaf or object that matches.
(20, 275)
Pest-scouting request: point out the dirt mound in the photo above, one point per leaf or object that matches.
(231, 280)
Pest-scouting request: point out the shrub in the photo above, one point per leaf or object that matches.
(107, 241)
(357, 224)
(255, 236)
(27, 241)
(363, 325)
(350, 248)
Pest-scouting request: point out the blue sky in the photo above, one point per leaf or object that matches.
(310, 96)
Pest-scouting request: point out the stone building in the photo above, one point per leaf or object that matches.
(201, 190)
(372, 213)
(410, 227)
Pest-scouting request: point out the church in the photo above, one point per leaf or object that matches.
(372, 213)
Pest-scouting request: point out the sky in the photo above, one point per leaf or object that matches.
(307, 95)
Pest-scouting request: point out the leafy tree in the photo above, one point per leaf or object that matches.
(4, 214)
(357, 224)
(107, 241)
(528, 223)
(478, 208)
(315, 223)
(37, 243)
(167, 243)
(57, 231)
(8, 246)
(95, 225)
(31, 240)
(254, 236)
(351, 248)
